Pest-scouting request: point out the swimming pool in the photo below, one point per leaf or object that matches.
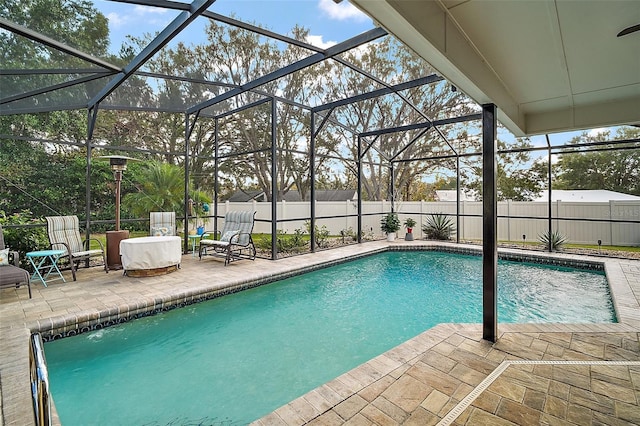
(233, 359)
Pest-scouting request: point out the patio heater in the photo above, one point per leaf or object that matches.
(118, 165)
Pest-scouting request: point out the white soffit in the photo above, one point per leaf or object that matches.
(549, 65)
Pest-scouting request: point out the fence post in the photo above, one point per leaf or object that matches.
(347, 212)
(557, 224)
(463, 211)
(421, 217)
(509, 220)
(283, 214)
(611, 208)
(254, 206)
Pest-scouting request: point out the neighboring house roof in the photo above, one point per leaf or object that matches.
(324, 195)
(336, 195)
(451, 194)
(586, 196)
(292, 196)
(245, 196)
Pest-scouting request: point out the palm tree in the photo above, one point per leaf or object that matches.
(161, 188)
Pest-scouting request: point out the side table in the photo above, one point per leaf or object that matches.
(47, 263)
(151, 256)
(193, 239)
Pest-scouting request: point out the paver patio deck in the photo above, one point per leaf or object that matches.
(534, 374)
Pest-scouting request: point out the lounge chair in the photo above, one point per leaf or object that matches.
(162, 223)
(64, 234)
(11, 275)
(234, 240)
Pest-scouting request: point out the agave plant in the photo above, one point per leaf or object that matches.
(438, 227)
(553, 240)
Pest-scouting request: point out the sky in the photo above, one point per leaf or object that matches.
(329, 23)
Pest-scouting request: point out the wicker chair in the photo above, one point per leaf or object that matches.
(11, 275)
(64, 234)
(235, 240)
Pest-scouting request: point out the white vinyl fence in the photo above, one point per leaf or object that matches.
(588, 222)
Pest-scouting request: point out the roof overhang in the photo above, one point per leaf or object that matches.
(549, 65)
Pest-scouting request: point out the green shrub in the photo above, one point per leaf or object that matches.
(285, 243)
(348, 235)
(25, 238)
(321, 234)
(296, 242)
(438, 227)
(262, 241)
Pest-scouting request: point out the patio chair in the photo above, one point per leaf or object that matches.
(64, 234)
(11, 274)
(162, 223)
(234, 241)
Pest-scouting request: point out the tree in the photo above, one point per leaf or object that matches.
(28, 167)
(233, 56)
(241, 56)
(393, 63)
(518, 177)
(26, 183)
(160, 188)
(74, 22)
(427, 191)
(616, 170)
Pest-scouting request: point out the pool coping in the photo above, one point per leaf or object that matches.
(71, 325)
(367, 381)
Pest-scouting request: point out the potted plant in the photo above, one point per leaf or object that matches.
(390, 224)
(409, 223)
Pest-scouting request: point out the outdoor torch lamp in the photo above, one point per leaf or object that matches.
(118, 165)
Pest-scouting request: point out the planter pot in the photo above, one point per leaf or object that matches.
(391, 236)
(408, 236)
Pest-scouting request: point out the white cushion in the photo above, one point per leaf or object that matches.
(214, 243)
(161, 231)
(86, 253)
(227, 236)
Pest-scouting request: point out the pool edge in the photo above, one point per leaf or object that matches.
(54, 328)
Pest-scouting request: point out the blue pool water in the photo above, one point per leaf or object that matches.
(234, 359)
